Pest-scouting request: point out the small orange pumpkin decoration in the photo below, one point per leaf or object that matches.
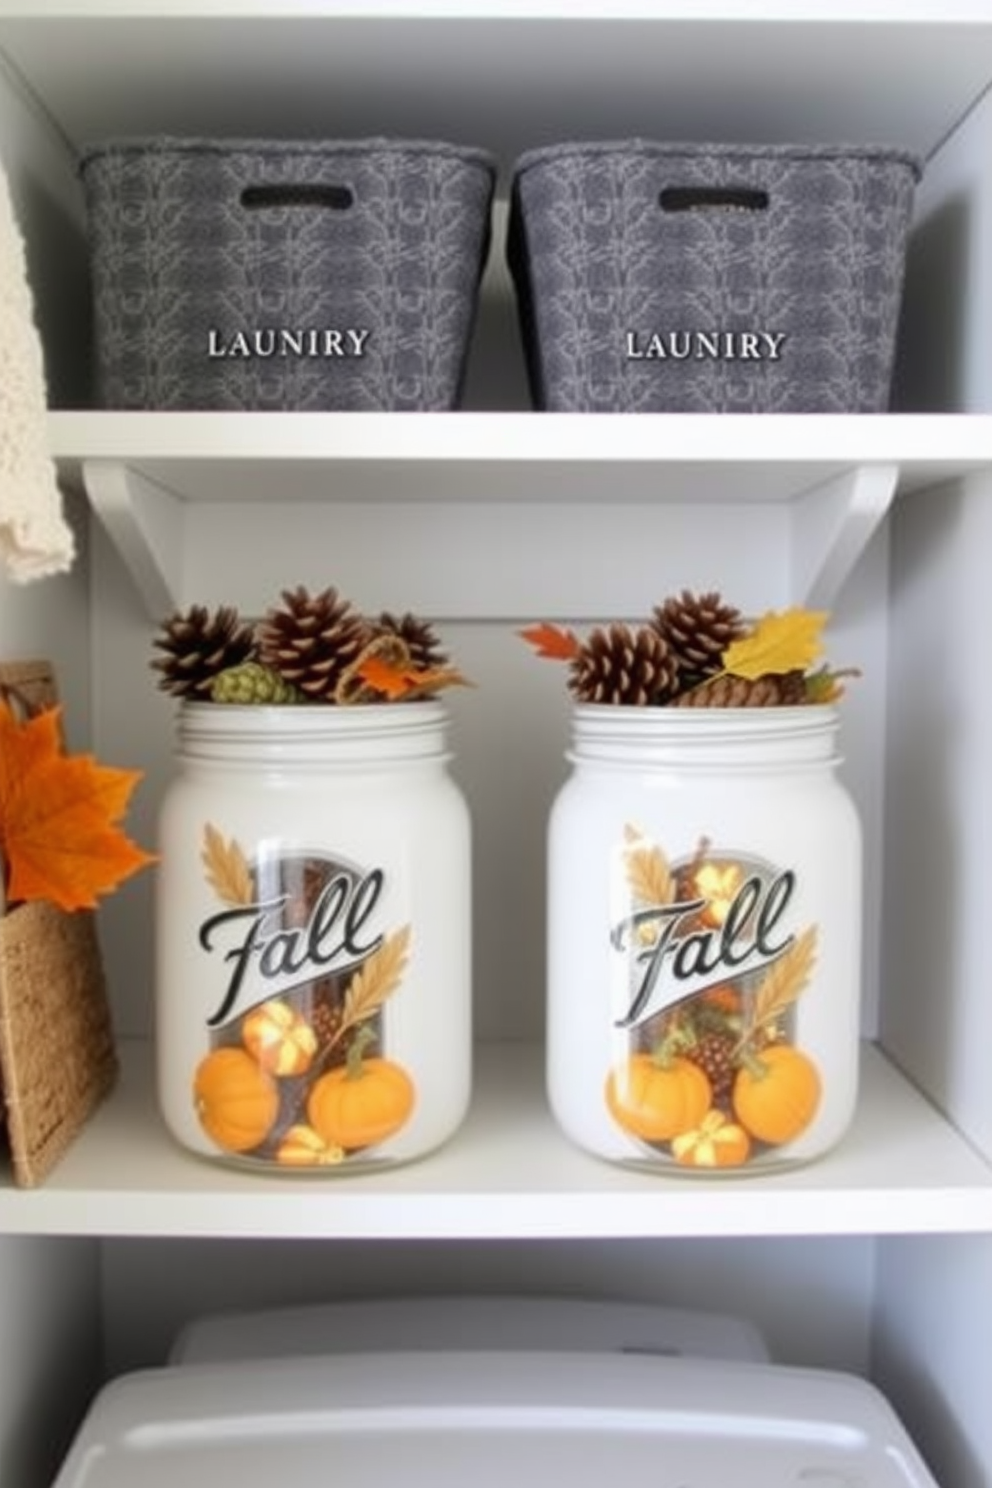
(236, 1100)
(279, 1037)
(655, 1098)
(714, 1143)
(302, 1147)
(361, 1102)
(777, 1094)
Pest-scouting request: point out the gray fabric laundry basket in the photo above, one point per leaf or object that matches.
(246, 274)
(710, 278)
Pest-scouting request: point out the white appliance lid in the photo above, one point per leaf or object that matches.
(500, 1321)
(447, 1420)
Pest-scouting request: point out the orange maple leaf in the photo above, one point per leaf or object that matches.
(550, 640)
(399, 681)
(58, 835)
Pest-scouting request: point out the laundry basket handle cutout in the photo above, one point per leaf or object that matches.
(302, 194)
(703, 198)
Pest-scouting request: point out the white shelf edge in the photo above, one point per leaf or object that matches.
(147, 473)
(925, 446)
(508, 1174)
(894, 12)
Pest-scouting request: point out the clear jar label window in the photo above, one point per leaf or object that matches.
(708, 965)
(296, 1068)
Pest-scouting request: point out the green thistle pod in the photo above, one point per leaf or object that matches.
(251, 682)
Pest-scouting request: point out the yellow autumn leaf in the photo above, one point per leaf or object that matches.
(781, 641)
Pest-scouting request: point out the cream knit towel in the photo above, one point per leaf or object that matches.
(35, 539)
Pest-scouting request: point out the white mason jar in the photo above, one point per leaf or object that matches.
(313, 937)
(704, 938)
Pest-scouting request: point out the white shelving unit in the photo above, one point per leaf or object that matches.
(157, 480)
(878, 1256)
(509, 1175)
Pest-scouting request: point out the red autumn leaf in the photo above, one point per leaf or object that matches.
(59, 839)
(398, 681)
(552, 641)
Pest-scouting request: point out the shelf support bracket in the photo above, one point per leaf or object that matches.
(832, 525)
(144, 521)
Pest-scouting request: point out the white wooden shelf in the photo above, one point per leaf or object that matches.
(514, 457)
(175, 490)
(508, 1174)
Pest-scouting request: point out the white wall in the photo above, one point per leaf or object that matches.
(48, 202)
(50, 1358)
(934, 1319)
(50, 1344)
(944, 365)
(50, 617)
(938, 1015)
(810, 1297)
(933, 1302)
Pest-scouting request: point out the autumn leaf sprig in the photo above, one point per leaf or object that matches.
(697, 651)
(782, 641)
(395, 680)
(60, 838)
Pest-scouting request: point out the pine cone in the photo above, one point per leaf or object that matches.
(311, 639)
(198, 645)
(698, 629)
(251, 682)
(619, 665)
(771, 690)
(418, 636)
(326, 1018)
(714, 1054)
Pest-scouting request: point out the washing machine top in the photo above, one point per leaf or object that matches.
(453, 1419)
(468, 1321)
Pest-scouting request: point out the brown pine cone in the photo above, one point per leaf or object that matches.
(311, 639)
(616, 664)
(326, 1017)
(698, 629)
(198, 645)
(714, 1054)
(772, 690)
(419, 637)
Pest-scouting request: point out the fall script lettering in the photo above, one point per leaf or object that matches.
(673, 961)
(267, 957)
